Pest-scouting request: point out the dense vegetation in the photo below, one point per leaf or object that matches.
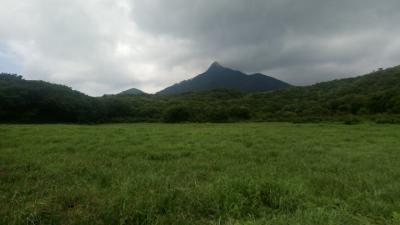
(263, 173)
(375, 96)
(38, 101)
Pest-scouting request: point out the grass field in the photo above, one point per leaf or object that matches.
(261, 173)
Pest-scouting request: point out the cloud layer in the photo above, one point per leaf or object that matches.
(105, 46)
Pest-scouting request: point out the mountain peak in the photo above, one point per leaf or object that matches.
(132, 91)
(215, 65)
(219, 77)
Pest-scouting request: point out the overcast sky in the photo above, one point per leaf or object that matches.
(106, 46)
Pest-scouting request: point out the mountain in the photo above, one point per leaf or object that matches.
(371, 94)
(132, 91)
(374, 96)
(219, 77)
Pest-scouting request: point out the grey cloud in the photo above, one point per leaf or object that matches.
(282, 35)
(106, 46)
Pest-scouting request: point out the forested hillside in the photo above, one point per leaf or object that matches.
(39, 101)
(375, 96)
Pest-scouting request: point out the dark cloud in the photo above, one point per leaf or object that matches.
(297, 37)
(105, 46)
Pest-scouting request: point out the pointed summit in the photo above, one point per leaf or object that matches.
(132, 91)
(215, 66)
(219, 77)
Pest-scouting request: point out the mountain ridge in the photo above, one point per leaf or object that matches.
(132, 91)
(220, 77)
(374, 96)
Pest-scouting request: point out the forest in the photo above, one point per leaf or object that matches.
(371, 97)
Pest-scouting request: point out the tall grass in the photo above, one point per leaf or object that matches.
(272, 173)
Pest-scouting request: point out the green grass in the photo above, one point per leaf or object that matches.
(265, 173)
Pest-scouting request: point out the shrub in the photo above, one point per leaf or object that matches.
(217, 115)
(239, 113)
(386, 119)
(351, 120)
(176, 114)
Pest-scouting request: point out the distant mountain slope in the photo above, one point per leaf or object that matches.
(373, 93)
(219, 77)
(375, 96)
(26, 100)
(132, 91)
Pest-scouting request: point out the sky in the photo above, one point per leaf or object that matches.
(107, 46)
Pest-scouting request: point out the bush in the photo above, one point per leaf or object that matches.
(351, 120)
(176, 114)
(239, 113)
(386, 119)
(217, 115)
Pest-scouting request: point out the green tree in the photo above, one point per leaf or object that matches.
(176, 114)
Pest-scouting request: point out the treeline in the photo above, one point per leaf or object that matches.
(375, 96)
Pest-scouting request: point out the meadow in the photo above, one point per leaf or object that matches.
(245, 173)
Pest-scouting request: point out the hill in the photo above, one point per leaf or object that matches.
(374, 96)
(377, 92)
(219, 77)
(132, 91)
(38, 101)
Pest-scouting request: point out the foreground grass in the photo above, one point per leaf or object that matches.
(200, 174)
